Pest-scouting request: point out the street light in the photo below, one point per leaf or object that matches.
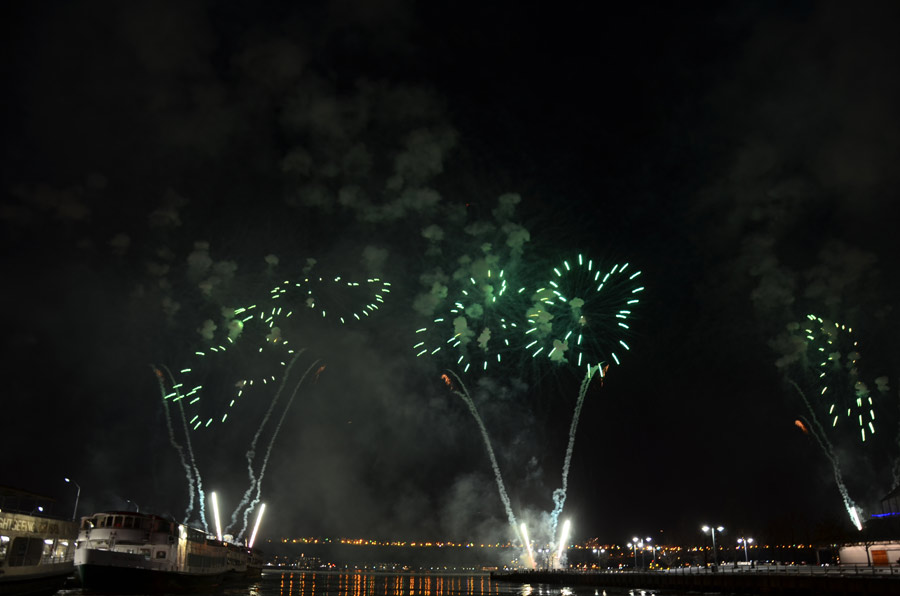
(635, 544)
(745, 541)
(599, 552)
(77, 494)
(713, 532)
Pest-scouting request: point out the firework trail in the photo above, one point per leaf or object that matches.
(190, 449)
(818, 432)
(178, 447)
(559, 495)
(193, 472)
(464, 395)
(265, 462)
(251, 452)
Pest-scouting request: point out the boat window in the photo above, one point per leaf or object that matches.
(145, 523)
(47, 551)
(129, 522)
(160, 554)
(101, 521)
(87, 523)
(117, 523)
(61, 552)
(4, 543)
(25, 551)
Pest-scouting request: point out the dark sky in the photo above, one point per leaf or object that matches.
(163, 161)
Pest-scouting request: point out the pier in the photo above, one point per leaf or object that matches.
(793, 579)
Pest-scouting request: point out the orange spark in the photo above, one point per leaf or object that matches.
(447, 380)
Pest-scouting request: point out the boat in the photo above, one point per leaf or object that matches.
(36, 550)
(244, 563)
(125, 551)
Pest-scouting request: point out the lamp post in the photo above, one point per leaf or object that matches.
(77, 495)
(713, 531)
(633, 545)
(599, 552)
(745, 542)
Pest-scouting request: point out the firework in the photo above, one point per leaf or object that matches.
(580, 317)
(563, 539)
(482, 324)
(824, 356)
(215, 505)
(818, 432)
(832, 359)
(262, 508)
(331, 296)
(528, 548)
(247, 357)
(582, 314)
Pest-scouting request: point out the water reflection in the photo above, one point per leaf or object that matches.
(307, 583)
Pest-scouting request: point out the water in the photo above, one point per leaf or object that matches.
(372, 583)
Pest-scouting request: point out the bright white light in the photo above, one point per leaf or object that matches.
(256, 525)
(215, 504)
(854, 517)
(563, 539)
(528, 545)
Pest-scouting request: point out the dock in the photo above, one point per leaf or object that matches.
(780, 579)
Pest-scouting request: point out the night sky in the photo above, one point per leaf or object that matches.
(163, 161)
